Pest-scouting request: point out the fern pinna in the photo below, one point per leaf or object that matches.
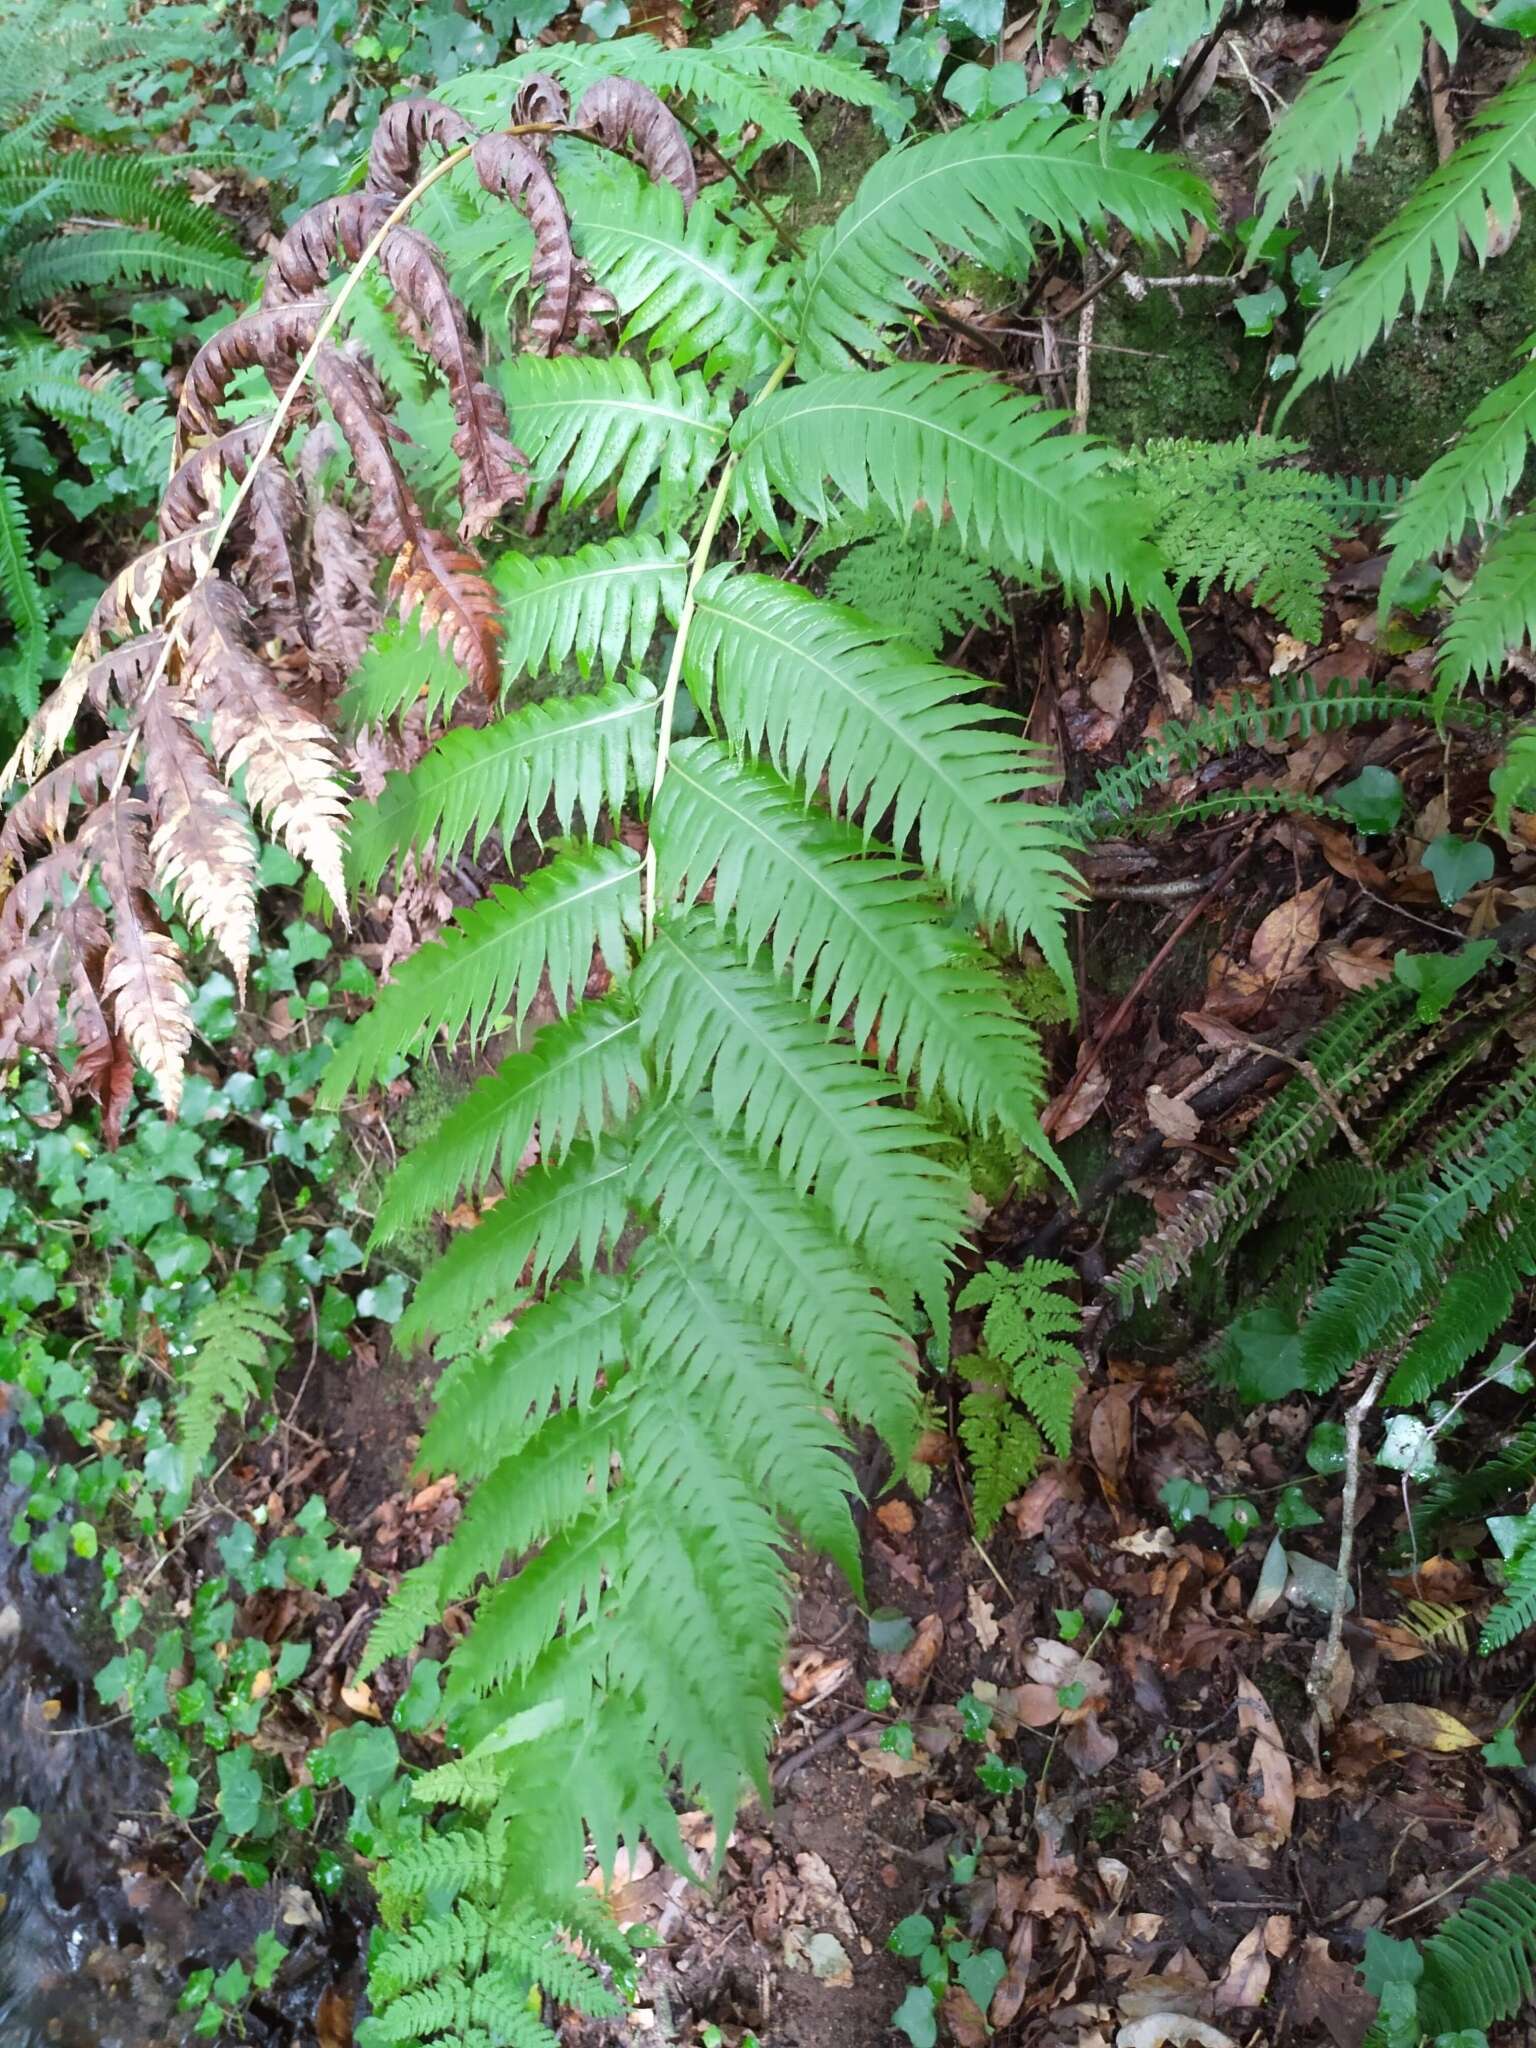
(761, 950)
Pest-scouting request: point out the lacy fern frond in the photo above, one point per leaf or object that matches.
(598, 606)
(593, 424)
(575, 756)
(891, 732)
(1240, 512)
(1161, 34)
(954, 444)
(232, 1337)
(1497, 612)
(924, 587)
(1034, 1332)
(1471, 195)
(1471, 481)
(1003, 1449)
(985, 189)
(1350, 101)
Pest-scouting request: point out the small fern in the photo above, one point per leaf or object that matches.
(924, 587)
(1004, 1450)
(232, 1339)
(1241, 512)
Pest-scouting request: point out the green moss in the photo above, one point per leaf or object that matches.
(1173, 364)
(846, 142)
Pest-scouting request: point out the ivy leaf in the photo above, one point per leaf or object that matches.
(1374, 800)
(1389, 1962)
(1457, 866)
(18, 1829)
(1408, 1447)
(1503, 1751)
(1435, 977)
(1185, 1499)
(239, 1796)
(917, 2017)
(980, 1975)
(911, 1936)
(1327, 1452)
(1258, 311)
(363, 1758)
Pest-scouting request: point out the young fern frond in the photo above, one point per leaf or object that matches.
(1003, 1449)
(985, 189)
(231, 1337)
(1471, 195)
(593, 423)
(1350, 101)
(1471, 481)
(921, 585)
(965, 447)
(1033, 1332)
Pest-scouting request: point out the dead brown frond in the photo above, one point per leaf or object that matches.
(198, 696)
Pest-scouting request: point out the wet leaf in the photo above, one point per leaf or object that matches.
(1430, 1728)
(1457, 866)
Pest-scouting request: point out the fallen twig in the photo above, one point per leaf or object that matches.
(1325, 1660)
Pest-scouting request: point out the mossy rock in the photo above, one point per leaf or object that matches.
(1187, 369)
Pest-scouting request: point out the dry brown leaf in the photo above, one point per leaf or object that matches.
(1110, 687)
(918, 1658)
(1179, 1124)
(1283, 943)
(1271, 1782)
(981, 1617)
(896, 1516)
(1068, 1113)
(1247, 1980)
(1109, 1437)
(1424, 1728)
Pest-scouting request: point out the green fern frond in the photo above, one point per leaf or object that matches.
(1458, 1496)
(110, 259)
(1471, 481)
(692, 286)
(1350, 101)
(892, 733)
(530, 1944)
(1495, 1258)
(557, 1349)
(468, 1863)
(719, 1356)
(955, 444)
(452, 1943)
(783, 1256)
(1239, 512)
(1003, 1449)
(593, 422)
(402, 666)
(1477, 1966)
(574, 755)
(580, 1071)
(492, 957)
(1161, 34)
(821, 1117)
(232, 1338)
(923, 587)
(576, 1206)
(84, 183)
(855, 931)
(1396, 1257)
(1513, 783)
(1516, 1608)
(1471, 195)
(985, 189)
(599, 605)
(1497, 613)
(22, 596)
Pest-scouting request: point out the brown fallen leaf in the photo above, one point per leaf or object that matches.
(1109, 1437)
(918, 1658)
(1179, 1124)
(896, 1516)
(1076, 1105)
(983, 1620)
(333, 2019)
(1424, 1728)
(1247, 1979)
(1271, 1782)
(1283, 943)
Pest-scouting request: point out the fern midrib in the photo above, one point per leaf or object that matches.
(648, 410)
